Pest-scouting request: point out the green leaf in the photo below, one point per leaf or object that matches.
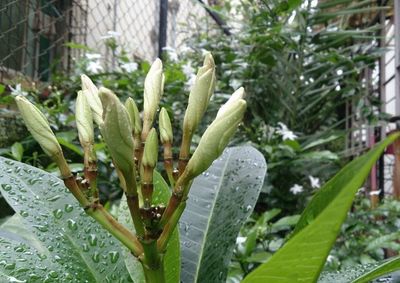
(220, 200)
(172, 260)
(17, 151)
(303, 256)
(76, 242)
(2, 88)
(387, 267)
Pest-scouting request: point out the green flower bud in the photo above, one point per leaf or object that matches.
(134, 116)
(215, 139)
(92, 94)
(237, 95)
(117, 133)
(153, 88)
(39, 127)
(200, 95)
(165, 127)
(150, 153)
(84, 120)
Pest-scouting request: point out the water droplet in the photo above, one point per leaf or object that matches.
(57, 213)
(53, 274)
(53, 198)
(41, 228)
(23, 213)
(92, 239)
(248, 208)
(6, 187)
(96, 257)
(68, 208)
(72, 224)
(114, 256)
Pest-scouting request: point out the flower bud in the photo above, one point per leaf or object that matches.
(134, 116)
(200, 95)
(165, 127)
(92, 94)
(39, 127)
(150, 153)
(237, 95)
(84, 120)
(215, 139)
(153, 88)
(117, 133)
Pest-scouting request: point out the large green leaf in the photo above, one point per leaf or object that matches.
(220, 200)
(68, 237)
(172, 259)
(387, 267)
(303, 256)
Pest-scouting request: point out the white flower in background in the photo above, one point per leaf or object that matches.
(235, 84)
(17, 90)
(285, 132)
(111, 34)
(314, 182)
(330, 258)
(172, 55)
(296, 189)
(93, 56)
(240, 240)
(375, 193)
(189, 72)
(94, 67)
(130, 67)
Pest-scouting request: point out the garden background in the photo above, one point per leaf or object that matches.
(322, 81)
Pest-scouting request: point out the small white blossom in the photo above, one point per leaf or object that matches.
(111, 34)
(314, 182)
(285, 132)
(235, 84)
(296, 189)
(93, 56)
(130, 67)
(17, 90)
(240, 240)
(375, 193)
(171, 53)
(94, 67)
(187, 69)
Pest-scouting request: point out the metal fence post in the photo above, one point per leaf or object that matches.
(162, 31)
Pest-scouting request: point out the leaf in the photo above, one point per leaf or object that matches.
(17, 151)
(387, 267)
(303, 256)
(79, 245)
(382, 241)
(220, 200)
(172, 260)
(2, 88)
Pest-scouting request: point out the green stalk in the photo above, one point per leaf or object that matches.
(154, 275)
(170, 227)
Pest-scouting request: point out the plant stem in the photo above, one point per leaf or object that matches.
(154, 275)
(168, 163)
(116, 229)
(170, 227)
(184, 152)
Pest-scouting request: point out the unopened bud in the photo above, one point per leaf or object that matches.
(117, 133)
(39, 127)
(84, 120)
(92, 94)
(134, 116)
(153, 88)
(200, 95)
(237, 95)
(165, 127)
(150, 153)
(215, 139)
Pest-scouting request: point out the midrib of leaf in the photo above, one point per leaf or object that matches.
(55, 220)
(209, 218)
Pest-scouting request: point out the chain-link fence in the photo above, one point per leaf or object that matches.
(39, 36)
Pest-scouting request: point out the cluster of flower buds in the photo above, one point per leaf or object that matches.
(133, 143)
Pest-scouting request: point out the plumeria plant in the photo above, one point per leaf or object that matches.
(133, 145)
(164, 233)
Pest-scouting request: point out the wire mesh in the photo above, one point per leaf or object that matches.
(39, 36)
